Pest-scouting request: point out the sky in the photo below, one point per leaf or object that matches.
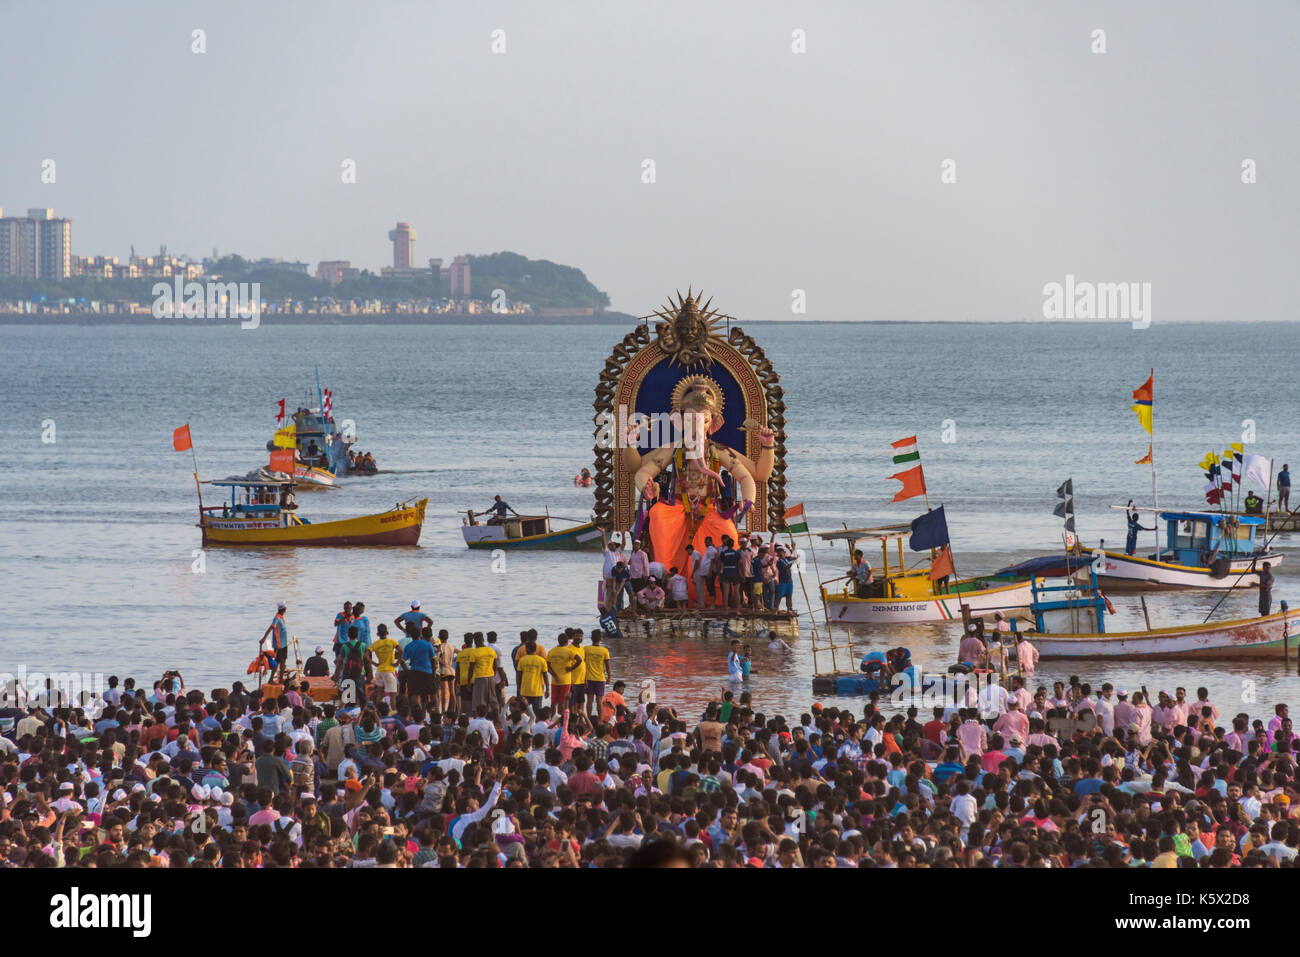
(774, 170)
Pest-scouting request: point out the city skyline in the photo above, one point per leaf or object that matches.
(940, 163)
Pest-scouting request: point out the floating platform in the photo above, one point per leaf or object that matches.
(710, 623)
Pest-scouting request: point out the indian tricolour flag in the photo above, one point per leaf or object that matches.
(795, 520)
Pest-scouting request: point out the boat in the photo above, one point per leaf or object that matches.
(529, 531)
(320, 449)
(1203, 550)
(1074, 626)
(901, 594)
(261, 511)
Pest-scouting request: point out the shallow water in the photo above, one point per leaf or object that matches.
(97, 536)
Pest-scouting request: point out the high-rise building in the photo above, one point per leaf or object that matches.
(459, 278)
(334, 271)
(36, 246)
(403, 238)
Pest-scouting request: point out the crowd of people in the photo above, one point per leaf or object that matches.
(745, 576)
(531, 756)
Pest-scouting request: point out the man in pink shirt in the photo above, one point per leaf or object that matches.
(971, 735)
(1013, 720)
(1125, 713)
(1182, 707)
(1026, 654)
(993, 758)
(1163, 714)
(1142, 718)
(971, 649)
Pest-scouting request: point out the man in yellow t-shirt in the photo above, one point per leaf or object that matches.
(484, 675)
(384, 653)
(560, 662)
(465, 668)
(580, 672)
(596, 658)
(533, 680)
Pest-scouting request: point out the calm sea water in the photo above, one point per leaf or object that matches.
(97, 532)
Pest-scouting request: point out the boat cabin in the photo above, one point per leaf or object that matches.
(1197, 538)
(512, 526)
(263, 500)
(890, 580)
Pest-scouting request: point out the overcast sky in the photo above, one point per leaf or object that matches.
(775, 171)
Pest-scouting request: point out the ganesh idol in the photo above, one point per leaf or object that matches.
(691, 507)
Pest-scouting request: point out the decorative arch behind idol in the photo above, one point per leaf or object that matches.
(648, 375)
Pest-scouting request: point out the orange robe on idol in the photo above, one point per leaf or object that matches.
(670, 534)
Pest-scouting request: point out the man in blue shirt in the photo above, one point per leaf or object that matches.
(418, 655)
(414, 616)
(1284, 489)
(500, 508)
(279, 636)
(362, 625)
(342, 621)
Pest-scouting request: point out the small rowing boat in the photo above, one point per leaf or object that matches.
(529, 531)
(261, 511)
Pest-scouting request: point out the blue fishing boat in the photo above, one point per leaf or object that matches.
(1202, 550)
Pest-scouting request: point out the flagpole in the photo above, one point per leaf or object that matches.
(197, 486)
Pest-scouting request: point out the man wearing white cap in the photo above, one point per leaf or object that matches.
(414, 617)
(279, 636)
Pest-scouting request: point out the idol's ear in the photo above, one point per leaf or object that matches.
(716, 423)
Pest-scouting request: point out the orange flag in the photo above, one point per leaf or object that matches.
(1146, 459)
(282, 461)
(913, 483)
(181, 438)
(942, 564)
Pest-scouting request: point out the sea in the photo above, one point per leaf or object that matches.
(103, 574)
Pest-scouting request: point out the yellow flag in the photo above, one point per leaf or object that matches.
(286, 438)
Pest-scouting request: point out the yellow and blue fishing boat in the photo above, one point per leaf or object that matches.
(262, 511)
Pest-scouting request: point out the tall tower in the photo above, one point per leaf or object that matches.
(459, 278)
(403, 238)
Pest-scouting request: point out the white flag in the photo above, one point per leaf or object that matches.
(1257, 471)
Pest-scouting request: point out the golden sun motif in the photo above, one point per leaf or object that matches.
(689, 329)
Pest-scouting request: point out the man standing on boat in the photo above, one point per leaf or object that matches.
(1266, 589)
(279, 636)
(1134, 526)
(1284, 489)
(500, 508)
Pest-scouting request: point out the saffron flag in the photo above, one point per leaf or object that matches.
(795, 520)
(282, 461)
(929, 531)
(181, 438)
(913, 484)
(942, 565)
(1144, 395)
(1146, 459)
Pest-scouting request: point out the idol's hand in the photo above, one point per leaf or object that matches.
(651, 490)
(766, 438)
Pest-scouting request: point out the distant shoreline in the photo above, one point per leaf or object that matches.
(604, 319)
